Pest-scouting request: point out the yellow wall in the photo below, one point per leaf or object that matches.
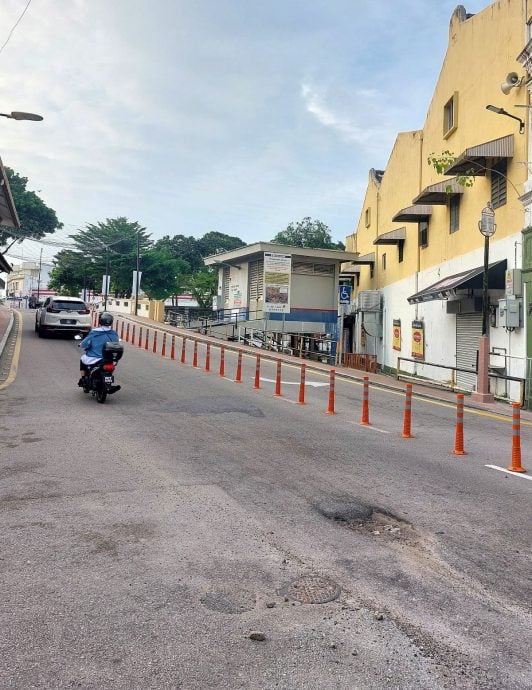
(481, 51)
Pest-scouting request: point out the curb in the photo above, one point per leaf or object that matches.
(7, 333)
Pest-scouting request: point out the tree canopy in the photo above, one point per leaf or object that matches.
(36, 218)
(307, 233)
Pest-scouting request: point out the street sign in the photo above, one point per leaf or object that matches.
(345, 294)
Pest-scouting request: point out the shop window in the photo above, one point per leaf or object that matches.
(454, 213)
(450, 113)
(498, 184)
(423, 234)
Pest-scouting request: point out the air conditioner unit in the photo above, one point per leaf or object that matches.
(369, 301)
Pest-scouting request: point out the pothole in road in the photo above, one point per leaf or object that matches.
(229, 602)
(364, 518)
(312, 589)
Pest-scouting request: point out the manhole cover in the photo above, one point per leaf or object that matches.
(312, 589)
(229, 602)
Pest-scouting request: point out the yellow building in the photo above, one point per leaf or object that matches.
(420, 259)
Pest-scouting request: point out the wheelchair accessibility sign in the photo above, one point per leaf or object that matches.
(344, 292)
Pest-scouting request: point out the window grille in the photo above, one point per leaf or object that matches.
(454, 213)
(498, 184)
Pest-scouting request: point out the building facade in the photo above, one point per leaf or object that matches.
(418, 303)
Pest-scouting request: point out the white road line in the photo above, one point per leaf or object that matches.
(370, 428)
(502, 469)
(314, 384)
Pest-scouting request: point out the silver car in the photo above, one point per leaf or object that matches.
(63, 314)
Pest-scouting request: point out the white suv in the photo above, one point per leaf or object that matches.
(62, 315)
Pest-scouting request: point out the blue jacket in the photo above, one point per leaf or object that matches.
(94, 342)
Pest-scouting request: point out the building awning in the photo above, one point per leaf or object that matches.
(473, 161)
(8, 212)
(365, 260)
(393, 237)
(413, 214)
(438, 193)
(466, 280)
(5, 267)
(350, 271)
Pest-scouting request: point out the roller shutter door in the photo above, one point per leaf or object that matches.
(468, 332)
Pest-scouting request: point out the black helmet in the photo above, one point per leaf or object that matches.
(105, 319)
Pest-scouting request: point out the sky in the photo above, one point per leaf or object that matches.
(188, 116)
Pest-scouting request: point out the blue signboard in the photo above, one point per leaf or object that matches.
(344, 294)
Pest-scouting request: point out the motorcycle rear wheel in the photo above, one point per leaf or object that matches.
(101, 391)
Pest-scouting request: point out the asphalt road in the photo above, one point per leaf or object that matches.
(144, 540)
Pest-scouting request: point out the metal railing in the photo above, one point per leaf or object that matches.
(451, 383)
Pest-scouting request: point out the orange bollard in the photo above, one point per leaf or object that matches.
(163, 349)
(140, 336)
(146, 343)
(195, 355)
(238, 378)
(208, 358)
(459, 434)
(330, 409)
(183, 350)
(516, 440)
(301, 400)
(257, 373)
(364, 420)
(222, 362)
(127, 333)
(172, 348)
(133, 336)
(278, 379)
(407, 419)
(154, 349)
(122, 330)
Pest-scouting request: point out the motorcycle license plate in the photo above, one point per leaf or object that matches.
(108, 379)
(68, 321)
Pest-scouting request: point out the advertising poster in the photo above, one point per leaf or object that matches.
(418, 340)
(396, 334)
(277, 272)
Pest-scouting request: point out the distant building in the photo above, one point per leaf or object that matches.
(28, 278)
(419, 272)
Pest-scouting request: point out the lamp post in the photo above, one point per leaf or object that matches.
(487, 228)
(17, 115)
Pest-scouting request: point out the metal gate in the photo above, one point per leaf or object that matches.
(468, 332)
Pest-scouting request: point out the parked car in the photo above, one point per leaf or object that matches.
(62, 314)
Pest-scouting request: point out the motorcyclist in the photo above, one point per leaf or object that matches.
(93, 345)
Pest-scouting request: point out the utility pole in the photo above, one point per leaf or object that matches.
(106, 277)
(39, 277)
(137, 276)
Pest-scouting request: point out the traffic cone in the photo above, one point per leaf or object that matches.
(172, 349)
(154, 348)
(183, 350)
(301, 400)
(238, 378)
(195, 355)
(278, 379)
(208, 358)
(257, 373)
(222, 362)
(407, 419)
(364, 420)
(516, 440)
(330, 408)
(459, 434)
(163, 349)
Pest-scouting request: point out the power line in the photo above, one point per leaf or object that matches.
(15, 26)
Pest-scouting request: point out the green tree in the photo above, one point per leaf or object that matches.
(203, 285)
(113, 244)
(36, 218)
(307, 233)
(71, 273)
(162, 275)
(215, 242)
(184, 248)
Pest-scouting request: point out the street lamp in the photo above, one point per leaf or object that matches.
(487, 228)
(502, 111)
(17, 115)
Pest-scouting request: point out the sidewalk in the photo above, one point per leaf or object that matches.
(420, 390)
(6, 321)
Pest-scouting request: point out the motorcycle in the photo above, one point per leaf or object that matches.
(100, 381)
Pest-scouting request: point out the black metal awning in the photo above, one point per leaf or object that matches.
(438, 193)
(392, 237)
(474, 160)
(413, 214)
(5, 267)
(466, 280)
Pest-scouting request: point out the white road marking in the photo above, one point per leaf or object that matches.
(502, 469)
(370, 428)
(314, 384)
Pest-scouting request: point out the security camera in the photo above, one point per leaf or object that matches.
(512, 79)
